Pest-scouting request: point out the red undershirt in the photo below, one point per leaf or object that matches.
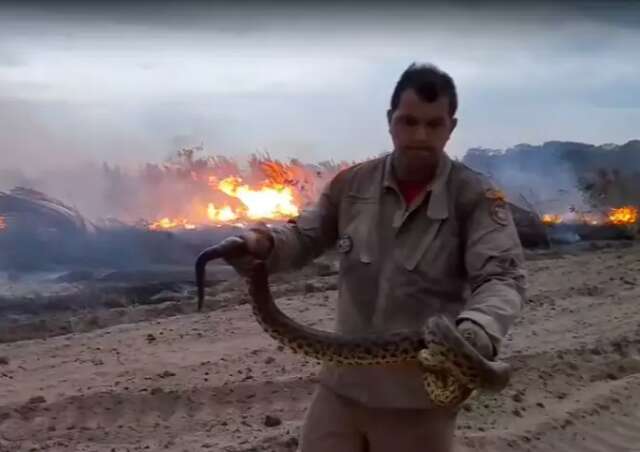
(410, 190)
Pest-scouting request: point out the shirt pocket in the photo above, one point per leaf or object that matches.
(443, 258)
(356, 232)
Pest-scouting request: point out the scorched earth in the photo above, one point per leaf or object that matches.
(173, 379)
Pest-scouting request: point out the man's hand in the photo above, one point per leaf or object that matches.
(475, 335)
(259, 245)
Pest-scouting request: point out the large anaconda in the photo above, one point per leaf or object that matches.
(453, 369)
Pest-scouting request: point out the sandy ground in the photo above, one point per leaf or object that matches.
(214, 381)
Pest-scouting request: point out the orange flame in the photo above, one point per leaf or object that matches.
(272, 201)
(223, 214)
(548, 218)
(223, 194)
(620, 216)
(3, 223)
(623, 215)
(168, 223)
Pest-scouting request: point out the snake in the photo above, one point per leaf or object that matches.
(452, 369)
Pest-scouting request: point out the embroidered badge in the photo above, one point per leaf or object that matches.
(344, 245)
(498, 207)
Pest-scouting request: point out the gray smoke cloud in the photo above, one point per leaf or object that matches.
(557, 176)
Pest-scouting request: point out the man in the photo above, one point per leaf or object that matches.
(418, 234)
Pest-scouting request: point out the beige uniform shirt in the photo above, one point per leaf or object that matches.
(454, 250)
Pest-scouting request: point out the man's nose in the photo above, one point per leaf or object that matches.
(422, 134)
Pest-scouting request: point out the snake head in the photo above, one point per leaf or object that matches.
(493, 375)
(228, 248)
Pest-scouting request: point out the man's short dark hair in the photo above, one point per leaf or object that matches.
(429, 82)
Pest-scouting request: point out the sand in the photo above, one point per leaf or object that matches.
(214, 381)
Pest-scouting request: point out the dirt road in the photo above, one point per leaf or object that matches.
(214, 381)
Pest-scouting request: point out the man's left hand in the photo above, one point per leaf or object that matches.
(475, 335)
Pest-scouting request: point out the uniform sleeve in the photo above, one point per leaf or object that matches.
(313, 232)
(495, 266)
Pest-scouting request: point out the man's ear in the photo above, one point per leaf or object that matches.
(389, 115)
(454, 123)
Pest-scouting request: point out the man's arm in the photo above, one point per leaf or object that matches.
(495, 266)
(314, 231)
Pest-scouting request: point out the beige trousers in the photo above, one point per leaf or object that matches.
(334, 423)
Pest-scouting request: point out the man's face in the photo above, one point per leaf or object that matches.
(419, 129)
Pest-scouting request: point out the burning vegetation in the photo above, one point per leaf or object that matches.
(621, 216)
(160, 214)
(579, 191)
(216, 191)
(549, 218)
(270, 200)
(624, 215)
(168, 223)
(166, 213)
(267, 201)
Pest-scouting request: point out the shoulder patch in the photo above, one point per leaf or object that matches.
(495, 194)
(498, 206)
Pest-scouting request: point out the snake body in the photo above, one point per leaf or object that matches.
(453, 369)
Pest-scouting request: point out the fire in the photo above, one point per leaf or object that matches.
(623, 215)
(223, 214)
(268, 201)
(215, 191)
(3, 223)
(168, 223)
(548, 218)
(619, 216)
(271, 201)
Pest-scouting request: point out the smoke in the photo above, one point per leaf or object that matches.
(557, 176)
(552, 177)
(182, 186)
(131, 84)
(529, 174)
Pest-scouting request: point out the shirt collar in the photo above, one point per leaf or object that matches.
(438, 208)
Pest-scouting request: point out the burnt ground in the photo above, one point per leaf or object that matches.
(163, 377)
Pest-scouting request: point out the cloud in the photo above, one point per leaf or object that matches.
(9, 59)
(133, 82)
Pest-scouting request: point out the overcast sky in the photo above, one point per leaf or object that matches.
(132, 84)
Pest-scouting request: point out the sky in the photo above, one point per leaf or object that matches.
(130, 84)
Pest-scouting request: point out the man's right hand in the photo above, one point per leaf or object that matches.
(259, 245)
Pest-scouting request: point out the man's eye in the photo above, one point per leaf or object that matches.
(435, 124)
(409, 121)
